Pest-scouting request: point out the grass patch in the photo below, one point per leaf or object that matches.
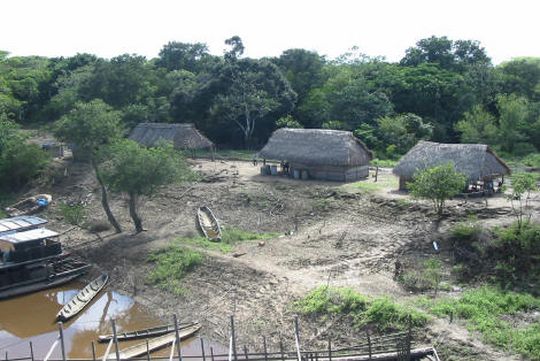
(171, 264)
(74, 214)
(382, 312)
(384, 163)
(231, 236)
(384, 181)
(484, 310)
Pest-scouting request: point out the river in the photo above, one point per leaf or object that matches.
(32, 318)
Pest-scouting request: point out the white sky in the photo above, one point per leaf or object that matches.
(506, 29)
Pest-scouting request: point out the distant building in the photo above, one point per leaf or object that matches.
(323, 154)
(183, 136)
(476, 161)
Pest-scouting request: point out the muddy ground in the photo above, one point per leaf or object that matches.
(329, 233)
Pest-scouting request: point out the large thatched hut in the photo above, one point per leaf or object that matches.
(319, 153)
(476, 161)
(183, 136)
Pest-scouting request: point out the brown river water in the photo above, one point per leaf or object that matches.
(32, 318)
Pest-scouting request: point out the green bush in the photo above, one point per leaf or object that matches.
(426, 277)
(171, 265)
(532, 160)
(20, 163)
(484, 309)
(73, 213)
(382, 313)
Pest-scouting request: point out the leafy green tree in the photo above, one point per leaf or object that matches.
(437, 184)
(90, 127)
(521, 76)
(176, 56)
(523, 184)
(513, 121)
(139, 171)
(288, 122)
(403, 131)
(478, 126)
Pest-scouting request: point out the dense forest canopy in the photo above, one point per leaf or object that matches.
(442, 90)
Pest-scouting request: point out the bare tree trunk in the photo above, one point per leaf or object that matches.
(105, 200)
(133, 213)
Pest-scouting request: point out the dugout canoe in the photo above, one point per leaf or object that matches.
(209, 224)
(29, 205)
(145, 333)
(82, 298)
(154, 343)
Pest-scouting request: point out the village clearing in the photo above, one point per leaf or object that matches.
(317, 233)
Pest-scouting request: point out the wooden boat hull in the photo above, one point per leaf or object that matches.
(82, 298)
(209, 224)
(59, 277)
(154, 343)
(146, 333)
(28, 206)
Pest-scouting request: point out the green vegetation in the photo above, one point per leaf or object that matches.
(171, 265)
(139, 171)
(384, 181)
(437, 184)
(228, 154)
(74, 214)
(231, 236)
(490, 311)
(382, 313)
(426, 276)
(523, 184)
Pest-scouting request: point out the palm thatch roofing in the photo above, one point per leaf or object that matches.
(475, 161)
(183, 136)
(316, 147)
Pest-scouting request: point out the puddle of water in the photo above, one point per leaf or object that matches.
(32, 318)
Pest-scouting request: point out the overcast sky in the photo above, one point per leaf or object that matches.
(387, 28)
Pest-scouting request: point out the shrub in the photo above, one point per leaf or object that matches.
(171, 265)
(382, 313)
(20, 163)
(426, 277)
(73, 213)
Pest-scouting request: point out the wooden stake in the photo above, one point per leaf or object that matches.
(31, 351)
(265, 349)
(329, 350)
(115, 338)
(179, 349)
(297, 338)
(281, 349)
(369, 343)
(202, 349)
(246, 352)
(93, 351)
(212, 353)
(61, 332)
(147, 351)
(233, 335)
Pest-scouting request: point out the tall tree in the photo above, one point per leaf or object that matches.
(90, 127)
(183, 56)
(139, 171)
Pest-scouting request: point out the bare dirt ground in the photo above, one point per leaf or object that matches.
(330, 233)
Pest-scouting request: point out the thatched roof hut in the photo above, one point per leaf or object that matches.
(325, 154)
(476, 161)
(183, 136)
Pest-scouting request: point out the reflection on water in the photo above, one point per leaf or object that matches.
(32, 318)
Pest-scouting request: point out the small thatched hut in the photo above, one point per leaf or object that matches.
(183, 136)
(321, 154)
(477, 161)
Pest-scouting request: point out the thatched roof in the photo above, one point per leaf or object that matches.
(183, 136)
(316, 147)
(474, 160)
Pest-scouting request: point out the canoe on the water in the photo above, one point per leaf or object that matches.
(29, 205)
(82, 298)
(146, 333)
(209, 224)
(154, 343)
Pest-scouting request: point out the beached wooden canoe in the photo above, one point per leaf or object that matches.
(209, 224)
(154, 343)
(146, 333)
(29, 205)
(82, 298)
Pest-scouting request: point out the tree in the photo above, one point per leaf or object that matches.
(176, 56)
(523, 184)
(288, 122)
(478, 126)
(513, 121)
(139, 171)
(403, 131)
(90, 127)
(437, 184)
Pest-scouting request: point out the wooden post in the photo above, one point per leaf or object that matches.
(115, 340)
(6, 356)
(329, 350)
(61, 332)
(31, 351)
(233, 336)
(265, 349)
(376, 173)
(212, 353)
(281, 349)
(246, 352)
(93, 351)
(297, 338)
(179, 349)
(369, 343)
(147, 351)
(202, 349)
